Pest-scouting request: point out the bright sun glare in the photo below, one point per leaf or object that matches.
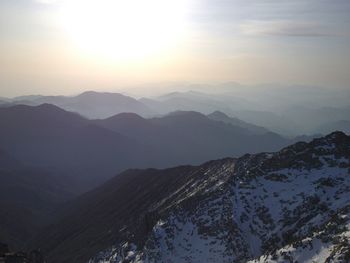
(124, 29)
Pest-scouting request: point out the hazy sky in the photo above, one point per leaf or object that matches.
(66, 46)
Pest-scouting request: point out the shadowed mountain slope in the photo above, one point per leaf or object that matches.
(220, 116)
(230, 210)
(192, 137)
(66, 144)
(28, 199)
(91, 151)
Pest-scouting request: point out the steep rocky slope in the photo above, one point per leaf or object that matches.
(290, 206)
(293, 205)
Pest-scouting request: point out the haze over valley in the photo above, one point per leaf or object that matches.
(174, 131)
(290, 110)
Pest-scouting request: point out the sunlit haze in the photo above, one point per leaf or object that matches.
(68, 46)
(124, 31)
(174, 131)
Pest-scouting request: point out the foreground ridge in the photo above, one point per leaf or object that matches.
(288, 206)
(293, 205)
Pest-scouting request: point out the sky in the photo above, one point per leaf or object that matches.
(68, 46)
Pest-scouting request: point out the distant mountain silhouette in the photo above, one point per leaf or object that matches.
(66, 143)
(28, 97)
(192, 137)
(194, 101)
(309, 120)
(90, 151)
(101, 105)
(278, 115)
(270, 120)
(128, 123)
(287, 110)
(91, 104)
(254, 129)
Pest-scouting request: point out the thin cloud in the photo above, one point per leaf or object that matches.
(284, 28)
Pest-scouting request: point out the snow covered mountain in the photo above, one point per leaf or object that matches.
(288, 206)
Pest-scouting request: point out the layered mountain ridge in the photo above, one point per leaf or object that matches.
(288, 206)
(92, 151)
(287, 110)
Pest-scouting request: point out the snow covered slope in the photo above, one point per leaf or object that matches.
(289, 206)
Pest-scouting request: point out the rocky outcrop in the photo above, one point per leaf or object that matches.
(289, 206)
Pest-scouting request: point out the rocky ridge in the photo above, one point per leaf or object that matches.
(289, 206)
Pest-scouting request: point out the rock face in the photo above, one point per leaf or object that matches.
(289, 206)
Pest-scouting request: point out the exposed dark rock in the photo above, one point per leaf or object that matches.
(257, 207)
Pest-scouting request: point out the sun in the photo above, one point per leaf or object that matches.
(124, 29)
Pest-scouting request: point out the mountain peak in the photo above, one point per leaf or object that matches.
(336, 136)
(334, 141)
(126, 116)
(218, 114)
(321, 152)
(186, 113)
(92, 93)
(49, 107)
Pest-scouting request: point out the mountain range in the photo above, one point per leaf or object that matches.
(78, 171)
(90, 104)
(287, 110)
(87, 152)
(287, 206)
